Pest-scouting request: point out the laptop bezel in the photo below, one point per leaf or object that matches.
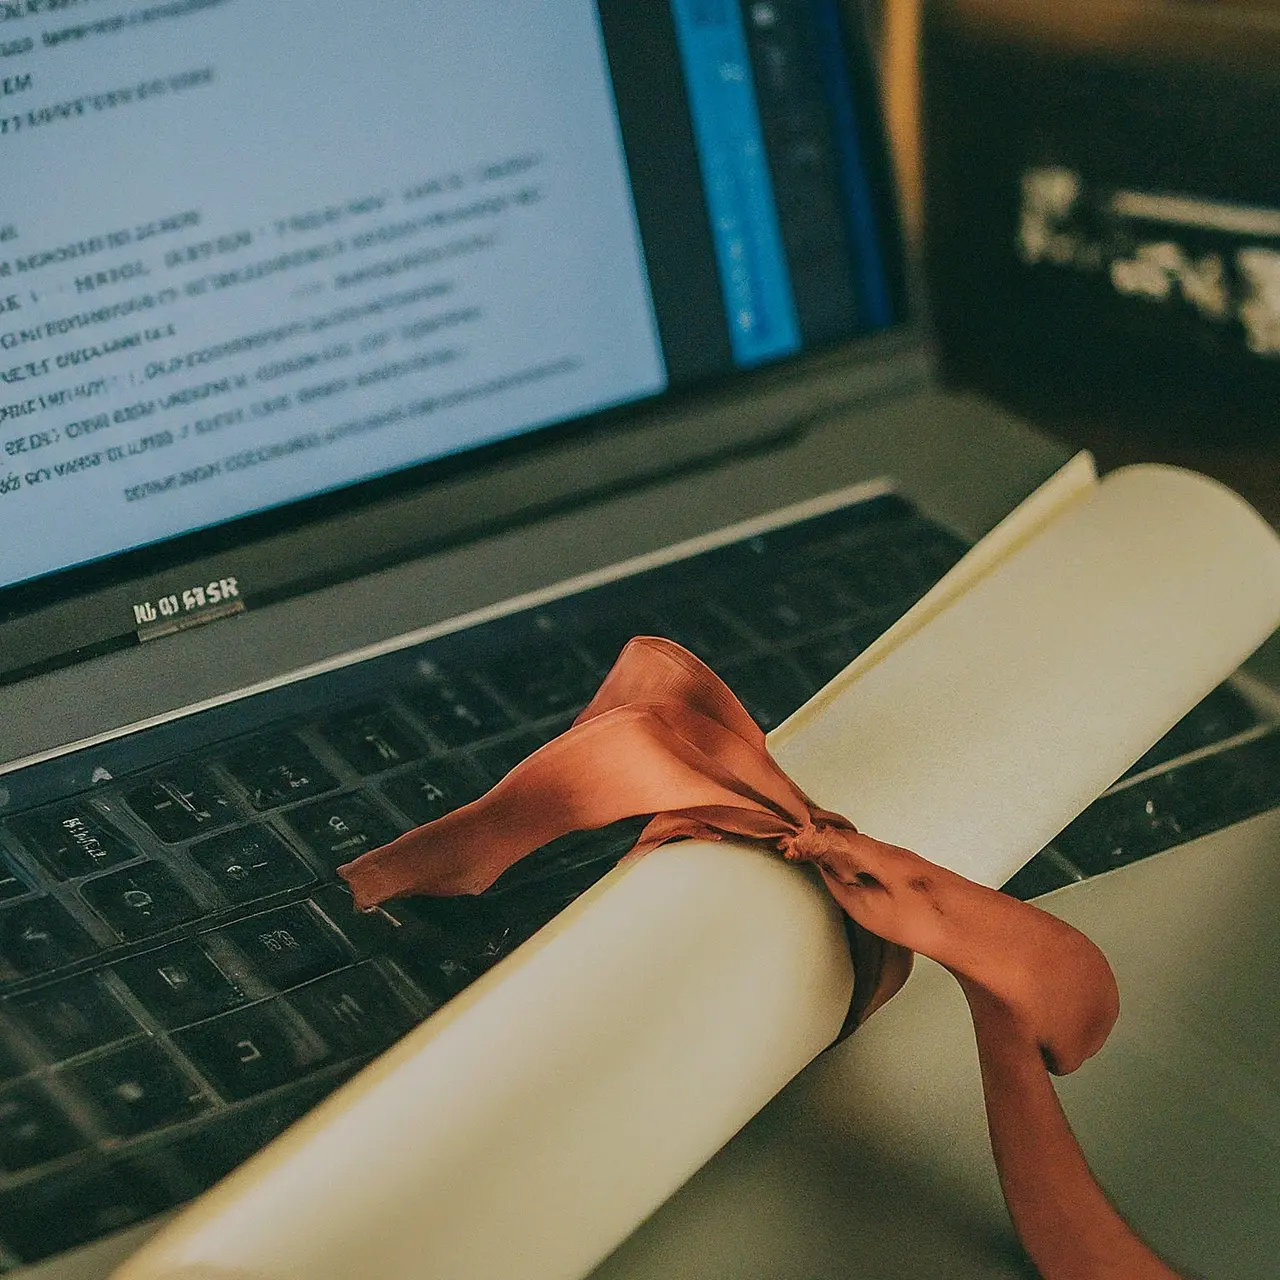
(87, 610)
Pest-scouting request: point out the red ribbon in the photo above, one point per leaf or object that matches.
(664, 735)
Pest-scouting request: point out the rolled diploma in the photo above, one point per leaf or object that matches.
(535, 1121)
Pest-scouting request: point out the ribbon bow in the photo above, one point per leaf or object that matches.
(665, 736)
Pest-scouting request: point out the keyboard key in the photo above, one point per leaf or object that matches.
(181, 802)
(73, 1017)
(73, 840)
(355, 1011)
(342, 828)
(39, 936)
(439, 977)
(542, 675)
(255, 1049)
(33, 1129)
(289, 945)
(370, 738)
(431, 790)
(603, 630)
(576, 852)
(546, 898)
(12, 885)
(277, 769)
(878, 578)
(704, 631)
(72, 1208)
(824, 658)
(232, 1137)
(769, 688)
(370, 932)
(180, 984)
(527, 907)
(140, 901)
(136, 1088)
(551, 859)
(454, 707)
(496, 759)
(789, 606)
(458, 940)
(250, 863)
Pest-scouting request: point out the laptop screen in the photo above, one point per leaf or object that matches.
(250, 256)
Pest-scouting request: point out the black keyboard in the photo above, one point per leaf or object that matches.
(181, 973)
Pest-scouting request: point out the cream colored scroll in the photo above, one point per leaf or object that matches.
(532, 1124)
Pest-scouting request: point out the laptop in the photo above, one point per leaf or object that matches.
(369, 377)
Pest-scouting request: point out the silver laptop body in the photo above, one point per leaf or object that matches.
(336, 442)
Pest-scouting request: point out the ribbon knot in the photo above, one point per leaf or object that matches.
(665, 736)
(816, 841)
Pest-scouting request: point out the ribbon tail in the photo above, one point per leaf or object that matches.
(1069, 1228)
(1042, 997)
(1057, 979)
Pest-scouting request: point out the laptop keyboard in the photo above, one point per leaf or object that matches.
(182, 975)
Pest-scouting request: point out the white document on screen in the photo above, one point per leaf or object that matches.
(239, 268)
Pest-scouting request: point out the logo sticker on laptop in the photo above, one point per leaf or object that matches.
(204, 602)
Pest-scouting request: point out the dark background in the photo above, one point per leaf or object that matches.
(1175, 97)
